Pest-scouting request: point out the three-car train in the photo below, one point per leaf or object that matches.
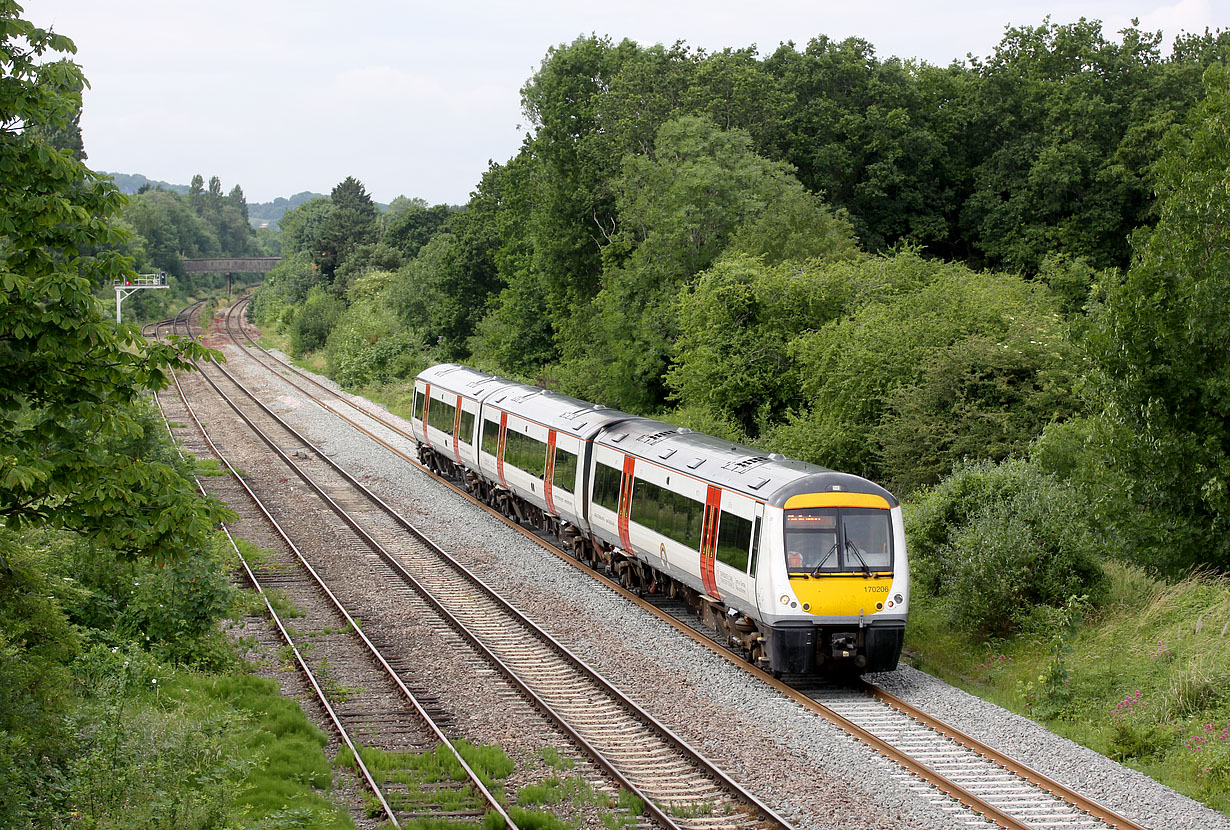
(802, 568)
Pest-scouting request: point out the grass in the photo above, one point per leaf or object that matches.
(195, 751)
(1145, 679)
(415, 779)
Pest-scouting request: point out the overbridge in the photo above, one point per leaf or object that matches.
(231, 265)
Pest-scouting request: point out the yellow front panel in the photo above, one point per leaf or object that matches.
(836, 499)
(842, 596)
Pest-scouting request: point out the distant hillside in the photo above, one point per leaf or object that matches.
(259, 213)
(132, 182)
(270, 213)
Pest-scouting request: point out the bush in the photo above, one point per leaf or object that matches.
(309, 330)
(999, 544)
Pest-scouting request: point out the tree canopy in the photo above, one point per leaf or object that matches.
(68, 377)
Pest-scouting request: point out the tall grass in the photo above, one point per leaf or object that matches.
(1146, 676)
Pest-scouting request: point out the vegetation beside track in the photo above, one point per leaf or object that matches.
(1142, 679)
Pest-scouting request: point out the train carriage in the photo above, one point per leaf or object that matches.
(444, 417)
(800, 566)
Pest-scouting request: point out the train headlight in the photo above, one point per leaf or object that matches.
(899, 598)
(785, 600)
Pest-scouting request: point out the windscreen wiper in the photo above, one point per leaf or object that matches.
(850, 546)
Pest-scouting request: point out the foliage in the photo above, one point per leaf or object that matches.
(310, 327)
(736, 322)
(369, 343)
(69, 377)
(934, 365)
(999, 544)
(678, 209)
(1068, 123)
(872, 136)
(36, 644)
(1162, 342)
(351, 223)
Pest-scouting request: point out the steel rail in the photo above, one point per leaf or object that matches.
(277, 620)
(434, 728)
(629, 705)
(969, 799)
(354, 626)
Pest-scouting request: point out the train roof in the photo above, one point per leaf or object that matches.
(461, 379)
(769, 477)
(559, 412)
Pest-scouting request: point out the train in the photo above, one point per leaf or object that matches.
(800, 568)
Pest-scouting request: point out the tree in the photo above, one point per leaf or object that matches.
(679, 208)
(352, 222)
(931, 363)
(413, 226)
(736, 322)
(303, 227)
(869, 136)
(1068, 124)
(1163, 344)
(68, 377)
(235, 198)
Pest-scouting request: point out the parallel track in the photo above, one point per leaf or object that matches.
(385, 712)
(679, 787)
(999, 788)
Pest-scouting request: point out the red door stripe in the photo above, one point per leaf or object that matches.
(708, 547)
(456, 429)
(499, 455)
(625, 503)
(426, 409)
(550, 474)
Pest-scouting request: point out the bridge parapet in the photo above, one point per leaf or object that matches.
(231, 265)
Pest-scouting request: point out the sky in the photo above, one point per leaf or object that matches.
(416, 99)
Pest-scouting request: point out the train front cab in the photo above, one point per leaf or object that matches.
(842, 584)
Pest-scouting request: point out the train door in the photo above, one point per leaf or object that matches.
(625, 503)
(709, 539)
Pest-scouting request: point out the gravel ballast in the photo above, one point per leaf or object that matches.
(805, 768)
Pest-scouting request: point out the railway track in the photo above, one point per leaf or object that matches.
(678, 786)
(376, 709)
(1003, 791)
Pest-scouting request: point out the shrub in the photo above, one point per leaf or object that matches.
(998, 543)
(314, 320)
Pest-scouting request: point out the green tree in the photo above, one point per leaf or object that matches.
(679, 208)
(303, 227)
(68, 377)
(1163, 343)
(413, 226)
(736, 322)
(1068, 124)
(169, 230)
(936, 364)
(865, 134)
(352, 222)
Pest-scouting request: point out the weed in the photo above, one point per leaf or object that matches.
(690, 809)
(552, 758)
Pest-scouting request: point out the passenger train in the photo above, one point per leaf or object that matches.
(801, 568)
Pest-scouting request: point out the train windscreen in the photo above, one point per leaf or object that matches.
(838, 539)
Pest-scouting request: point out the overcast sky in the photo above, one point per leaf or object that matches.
(414, 98)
